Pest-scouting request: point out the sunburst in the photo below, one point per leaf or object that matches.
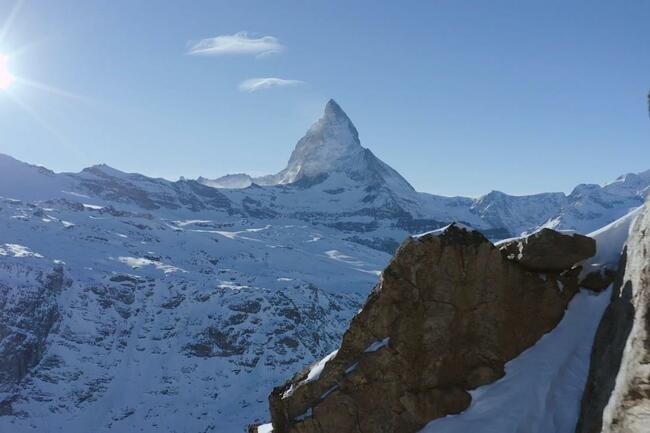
(6, 78)
(16, 87)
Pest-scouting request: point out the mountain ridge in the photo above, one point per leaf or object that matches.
(331, 179)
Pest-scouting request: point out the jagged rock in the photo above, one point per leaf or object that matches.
(449, 312)
(26, 319)
(547, 250)
(598, 280)
(617, 395)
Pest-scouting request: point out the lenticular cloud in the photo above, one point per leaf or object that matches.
(255, 84)
(239, 43)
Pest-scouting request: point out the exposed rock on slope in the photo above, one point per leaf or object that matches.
(617, 396)
(449, 312)
(26, 317)
(548, 250)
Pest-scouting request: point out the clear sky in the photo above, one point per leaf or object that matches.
(461, 97)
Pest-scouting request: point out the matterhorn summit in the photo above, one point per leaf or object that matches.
(328, 144)
(331, 146)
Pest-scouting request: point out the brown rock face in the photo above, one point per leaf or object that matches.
(617, 395)
(450, 310)
(606, 354)
(549, 251)
(598, 280)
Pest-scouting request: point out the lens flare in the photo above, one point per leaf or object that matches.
(5, 76)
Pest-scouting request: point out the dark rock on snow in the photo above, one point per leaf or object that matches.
(549, 251)
(450, 310)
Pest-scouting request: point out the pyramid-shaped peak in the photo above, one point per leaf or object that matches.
(335, 121)
(334, 115)
(332, 145)
(333, 109)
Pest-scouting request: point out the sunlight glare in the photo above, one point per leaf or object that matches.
(5, 76)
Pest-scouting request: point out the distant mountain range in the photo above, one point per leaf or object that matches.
(332, 180)
(130, 304)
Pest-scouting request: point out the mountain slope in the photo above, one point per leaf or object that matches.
(116, 321)
(177, 294)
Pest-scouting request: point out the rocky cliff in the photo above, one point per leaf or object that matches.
(617, 396)
(450, 310)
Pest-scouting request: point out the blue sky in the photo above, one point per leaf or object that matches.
(461, 97)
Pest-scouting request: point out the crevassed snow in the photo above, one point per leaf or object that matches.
(543, 386)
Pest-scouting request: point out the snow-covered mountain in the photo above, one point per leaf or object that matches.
(113, 320)
(330, 161)
(131, 303)
(332, 180)
(330, 147)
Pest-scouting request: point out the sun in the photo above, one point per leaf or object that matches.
(5, 76)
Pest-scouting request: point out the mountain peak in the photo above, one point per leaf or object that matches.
(332, 145)
(334, 110)
(331, 139)
(334, 117)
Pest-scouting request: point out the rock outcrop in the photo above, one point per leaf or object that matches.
(450, 310)
(27, 316)
(617, 395)
(548, 250)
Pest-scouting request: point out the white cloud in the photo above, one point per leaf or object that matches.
(255, 84)
(239, 43)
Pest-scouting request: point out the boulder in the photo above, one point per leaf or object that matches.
(449, 311)
(547, 250)
(598, 280)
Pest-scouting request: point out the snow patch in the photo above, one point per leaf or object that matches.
(377, 345)
(16, 250)
(314, 373)
(137, 262)
(441, 230)
(317, 369)
(92, 206)
(609, 243)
